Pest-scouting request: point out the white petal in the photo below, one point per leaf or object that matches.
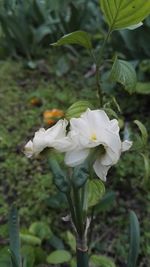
(101, 170)
(126, 145)
(58, 131)
(76, 157)
(135, 26)
(110, 157)
(39, 141)
(28, 149)
(63, 145)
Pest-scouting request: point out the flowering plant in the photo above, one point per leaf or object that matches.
(88, 138)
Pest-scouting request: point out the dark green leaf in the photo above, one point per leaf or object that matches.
(134, 240)
(124, 73)
(79, 37)
(60, 178)
(80, 175)
(14, 236)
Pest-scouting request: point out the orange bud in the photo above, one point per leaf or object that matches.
(53, 115)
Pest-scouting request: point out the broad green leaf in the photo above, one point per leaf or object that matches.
(41, 230)
(143, 88)
(30, 239)
(14, 236)
(58, 257)
(80, 175)
(102, 261)
(121, 14)
(78, 37)
(124, 73)
(76, 109)
(96, 190)
(134, 240)
(60, 178)
(143, 131)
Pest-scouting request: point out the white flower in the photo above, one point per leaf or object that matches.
(95, 129)
(135, 26)
(54, 137)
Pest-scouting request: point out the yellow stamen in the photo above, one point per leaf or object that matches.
(93, 137)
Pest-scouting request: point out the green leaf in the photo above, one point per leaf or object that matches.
(143, 131)
(96, 190)
(30, 239)
(121, 14)
(76, 109)
(78, 37)
(28, 255)
(124, 73)
(14, 236)
(147, 167)
(134, 240)
(41, 230)
(58, 257)
(71, 241)
(80, 175)
(101, 261)
(60, 178)
(143, 88)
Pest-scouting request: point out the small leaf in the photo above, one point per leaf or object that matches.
(134, 240)
(71, 241)
(96, 190)
(78, 37)
(80, 175)
(76, 109)
(30, 239)
(59, 257)
(121, 14)
(60, 178)
(102, 261)
(143, 131)
(124, 73)
(41, 230)
(146, 166)
(143, 88)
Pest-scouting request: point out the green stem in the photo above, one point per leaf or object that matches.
(78, 211)
(82, 258)
(72, 211)
(98, 64)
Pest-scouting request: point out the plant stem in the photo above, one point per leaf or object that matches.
(78, 211)
(72, 211)
(98, 64)
(82, 258)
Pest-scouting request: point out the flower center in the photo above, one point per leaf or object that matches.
(93, 137)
